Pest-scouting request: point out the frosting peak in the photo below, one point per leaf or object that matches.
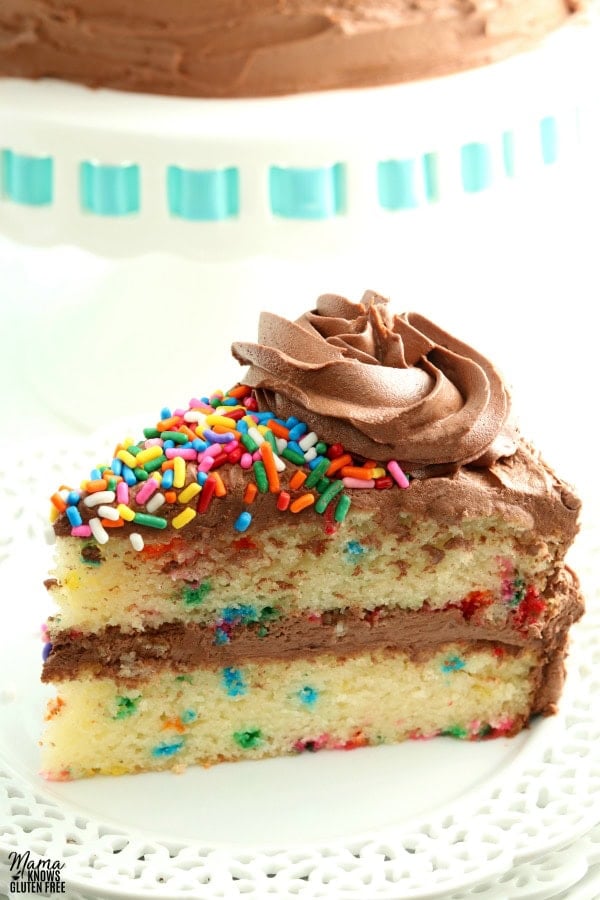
(384, 385)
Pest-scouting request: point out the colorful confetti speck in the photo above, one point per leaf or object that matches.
(247, 740)
(167, 749)
(194, 596)
(354, 548)
(308, 695)
(234, 682)
(453, 664)
(455, 731)
(127, 706)
(221, 636)
(239, 615)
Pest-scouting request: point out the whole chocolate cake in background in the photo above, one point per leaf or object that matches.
(252, 48)
(353, 546)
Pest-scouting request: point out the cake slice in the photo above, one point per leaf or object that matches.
(354, 546)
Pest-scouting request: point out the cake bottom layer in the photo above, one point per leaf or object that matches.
(98, 726)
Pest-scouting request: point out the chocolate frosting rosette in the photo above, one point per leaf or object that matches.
(385, 386)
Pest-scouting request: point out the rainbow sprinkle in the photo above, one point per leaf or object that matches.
(171, 479)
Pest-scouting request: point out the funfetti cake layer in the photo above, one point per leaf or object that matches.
(362, 509)
(267, 708)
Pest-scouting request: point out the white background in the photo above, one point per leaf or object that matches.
(85, 340)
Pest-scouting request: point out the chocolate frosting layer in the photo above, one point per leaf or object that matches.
(384, 385)
(243, 48)
(180, 646)
(521, 489)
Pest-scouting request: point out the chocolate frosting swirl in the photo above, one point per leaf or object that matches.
(386, 386)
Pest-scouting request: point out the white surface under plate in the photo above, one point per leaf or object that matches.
(414, 820)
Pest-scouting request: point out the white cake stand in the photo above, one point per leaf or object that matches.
(144, 234)
(122, 174)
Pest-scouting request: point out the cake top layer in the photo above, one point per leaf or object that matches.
(244, 48)
(243, 457)
(386, 386)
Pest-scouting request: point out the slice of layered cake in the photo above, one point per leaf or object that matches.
(352, 547)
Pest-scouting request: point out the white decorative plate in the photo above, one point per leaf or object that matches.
(417, 820)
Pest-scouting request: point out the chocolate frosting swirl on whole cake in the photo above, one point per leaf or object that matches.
(386, 386)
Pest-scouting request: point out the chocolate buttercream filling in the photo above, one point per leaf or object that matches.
(180, 646)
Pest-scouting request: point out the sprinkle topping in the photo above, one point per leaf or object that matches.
(172, 477)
